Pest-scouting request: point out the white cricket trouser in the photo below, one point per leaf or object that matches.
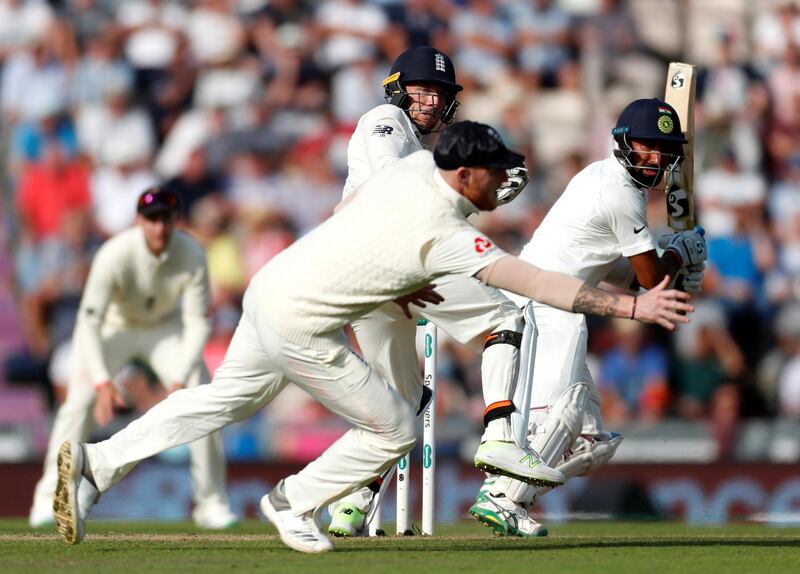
(258, 365)
(74, 420)
(470, 311)
(561, 362)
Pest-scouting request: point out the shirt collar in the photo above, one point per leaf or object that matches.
(464, 205)
(147, 254)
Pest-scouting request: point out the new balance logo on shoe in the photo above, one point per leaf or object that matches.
(529, 460)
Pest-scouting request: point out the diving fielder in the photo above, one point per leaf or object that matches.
(596, 231)
(421, 94)
(405, 227)
(146, 297)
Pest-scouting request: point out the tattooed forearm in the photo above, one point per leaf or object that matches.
(592, 301)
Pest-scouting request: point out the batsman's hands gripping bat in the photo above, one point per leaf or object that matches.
(688, 246)
(513, 186)
(692, 277)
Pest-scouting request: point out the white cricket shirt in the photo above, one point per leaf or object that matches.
(129, 287)
(600, 217)
(383, 135)
(405, 228)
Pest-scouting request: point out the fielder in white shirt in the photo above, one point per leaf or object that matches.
(146, 298)
(406, 227)
(421, 93)
(596, 231)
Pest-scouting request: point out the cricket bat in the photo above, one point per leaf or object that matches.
(680, 94)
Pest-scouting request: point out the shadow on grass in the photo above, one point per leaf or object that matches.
(561, 546)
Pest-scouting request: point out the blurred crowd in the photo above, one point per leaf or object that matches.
(245, 108)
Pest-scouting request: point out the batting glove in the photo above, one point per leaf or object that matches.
(689, 246)
(513, 186)
(692, 277)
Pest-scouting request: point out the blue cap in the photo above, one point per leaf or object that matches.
(649, 119)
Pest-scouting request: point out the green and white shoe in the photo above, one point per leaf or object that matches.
(509, 459)
(505, 517)
(347, 520)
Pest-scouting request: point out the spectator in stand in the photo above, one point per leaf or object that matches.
(51, 188)
(734, 109)
(543, 39)
(774, 28)
(737, 264)
(34, 70)
(723, 187)
(114, 123)
(774, 375)
(22, 22)
(783, 284)
(706, 359)
(634, 377)
(420, 23)
(116, 185)
(350, 30)
(194, 182)
(483, 41)
(784, 129)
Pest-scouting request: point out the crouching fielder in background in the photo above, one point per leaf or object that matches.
(146, 298)
(597, 231)
(407, 228)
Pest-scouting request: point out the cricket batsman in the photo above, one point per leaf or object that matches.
(147, 298)
(596, 231)
(421, 100)
(405, 227)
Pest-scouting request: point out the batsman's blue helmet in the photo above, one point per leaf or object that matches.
(649, 119)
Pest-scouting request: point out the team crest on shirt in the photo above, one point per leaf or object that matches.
(482, 245)
(382, 130)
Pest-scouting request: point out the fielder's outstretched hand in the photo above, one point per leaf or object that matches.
(107, 399)
(419, 297)
(663, 306)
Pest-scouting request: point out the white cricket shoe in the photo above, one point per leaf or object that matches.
(298, 532)
(509, 459)
(41, 515)
(504, 516)
(71, 522)
(214, 516)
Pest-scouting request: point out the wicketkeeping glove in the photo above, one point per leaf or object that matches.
(689, 245)
(511, 187)
(692, 277)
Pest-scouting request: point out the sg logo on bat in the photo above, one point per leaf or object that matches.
(677, 81)
(678, 203)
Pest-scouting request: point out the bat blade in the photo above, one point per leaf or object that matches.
(680, 94)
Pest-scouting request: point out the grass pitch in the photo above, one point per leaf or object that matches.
(608, 547)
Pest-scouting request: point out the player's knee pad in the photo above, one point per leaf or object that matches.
(590, 453)
(553, 437)
(515, 490)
